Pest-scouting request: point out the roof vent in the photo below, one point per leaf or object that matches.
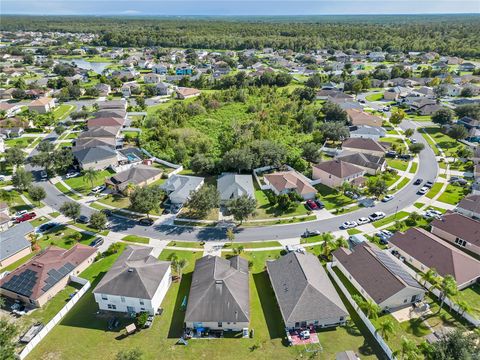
(218, 281)
(130, 270)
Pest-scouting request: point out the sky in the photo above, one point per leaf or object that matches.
(235, 7)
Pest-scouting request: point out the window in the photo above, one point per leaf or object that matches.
(112, 307)
(219, 324)
(460, 242)
(122, 299)
(342, 318)
(104, 297)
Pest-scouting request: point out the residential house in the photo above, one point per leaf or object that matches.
(179, 187)
(185, 93)
(458, 229)
(13, 127)
(152, 78)
(137, 282)
(164, 89)
(140, 175)
(367, 132)
(378, 276)
(469, 206)
(365, 146)
(112, 105)
(96, 158)
(395, 93)
(376, 56)
(219, 297)
(103, 89)
(183, 69)
(429, 109)
(42, 105)
(9, 109)
(231, 186)
(6, 94)
(14, 244)
(358, 117)
(467, 66)
(91, 142)
(284, 182)
(305, 295)
(160, 69)
(424, 251)
(334, 173)
(43, 276)
(105, 122)
(370, 163)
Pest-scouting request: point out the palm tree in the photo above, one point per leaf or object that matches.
(372, 309)
(430, 277)
(448, 288)
(230, 236)
(385, 328)
(409, 349)
(180, 265)
(90, 175)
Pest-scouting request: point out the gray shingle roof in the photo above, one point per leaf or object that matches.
(219, 291)
(363, 160)
(13, 240)
(135, 175)
(134, 274)
(179, 187)
(93, 154)
(232, 186)
(303, 289)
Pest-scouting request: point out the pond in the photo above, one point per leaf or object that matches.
(97, 67)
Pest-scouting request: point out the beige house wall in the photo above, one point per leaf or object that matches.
(451, 238)
(15, 257)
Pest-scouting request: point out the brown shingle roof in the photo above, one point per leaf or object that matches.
(46, 267)
(470, 203)
(340, 169)
(106, 121)
(289, 180)
(358, 117)
(460, 226)
(41, 101)
(433, 252)
(363, 144)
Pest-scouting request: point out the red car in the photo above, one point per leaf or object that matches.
(312, 205)
(25, 217)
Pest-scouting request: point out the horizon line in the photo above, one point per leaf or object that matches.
(245, 15)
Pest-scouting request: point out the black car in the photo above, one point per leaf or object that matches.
(97, 242)
(391, 154)
(418, 182)
(146, 221)
(309, 233)
(320, 204)
(429, 184)
(83, 219)
(405, 156)
(47, 226)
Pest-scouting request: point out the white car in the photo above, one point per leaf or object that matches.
(98, 189)
(423, 190)
(386, 233)
(72, 175)
(377, 216)
(20, 213)
(349, 224)
(387, 198)
(363, 220)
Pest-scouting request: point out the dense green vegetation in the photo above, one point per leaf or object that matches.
(447, 34)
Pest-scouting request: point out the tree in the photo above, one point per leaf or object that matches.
(22, 179)
(204, 200)
(146, 199)
(386, 328)
(470, 110)
(242, 207)
(98, 220)
(448, 288)
(335, 131)
(70, 209)
(408, 349)
(442, 116)
(416, 148)
(430, 277)
(230, 235)
(464, 307)
(467, 92)
(409, 132)
(397, 116)
(202, 164)
(372, 309)
(90, 175)
(377, 187)
(333, 112)
(15, 156)
(37, 193)
(311, 152)
(129, 354)
(458, 345)
(8, 334)
(458, 132)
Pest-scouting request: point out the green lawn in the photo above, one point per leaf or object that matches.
(117, 201)
(21, 142)
(413, 168)
(434, 190)
(253, 245)
(401, 184)
(445, 142)
(137, 239)
(83, 186)
(471, 295)
(82, 332)
(279, 221)
(266, 211)
(398, 164)
(391, 218)
(331, 198)
(62, 111)
(453, 194)
(39, 221)
(374, 97)
(397, 143)
(419, 205)
(353, 231)
(186, 244)
(86, 227)
(64, 237)
(66, 191)
(17, 263)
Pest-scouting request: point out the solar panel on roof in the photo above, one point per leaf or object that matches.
(23, 283)
(395, 269)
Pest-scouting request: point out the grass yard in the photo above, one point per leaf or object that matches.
(332, 198)
(66, 191)
(278, 222)
(413, 168)
(397, 143)
(401, 184)
(88, 228)
(445, 142)
(83, 186)
(137, 239)
(471, 295)
(21, 142)
(186, 244)
(353, 231)
(117, 201)
(397, 164)
(17, 263)
(453, 194)
(62, 111)
(253, 244)
(82, 332)
(390, 219)
(434, 190)
(374, 97)
(64, 237)
(419, 205)
(265, 210)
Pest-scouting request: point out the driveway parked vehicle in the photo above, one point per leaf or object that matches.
(47, 226)
(363, 220)
(146, 221)
(418, 182)
(387, 198)
(320, 204)
(429, 184)
(423, 190)
(312, 205)
(377, 216)
(25, 217)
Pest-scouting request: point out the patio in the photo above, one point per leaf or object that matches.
(295, 338)
(410, 313)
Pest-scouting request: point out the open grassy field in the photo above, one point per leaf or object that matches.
(449, 145)
(434, 190)
(62, 111)
(471, 295)
(374, 97)
(391, 218)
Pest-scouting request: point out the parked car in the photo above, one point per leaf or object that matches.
(25, 217)
(20, 213)
(310, 233)
(97, 242)
(429, 184)
(349, 224)
(386, 233)
(418, 181)
(312, 205)
(72, 175)
(43, 175)
(387, 198)
(363, 220)
(405, 156)
(47, 226)
(391, 154)
(146, 221)
(377, 216)
(83, 219)
(320, 204)
(423, 190)
(98, 189)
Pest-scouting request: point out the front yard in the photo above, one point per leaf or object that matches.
(83, 186)
(266, 211)
(449, 145)
(398, 164)
(453, 194)
(332, 198)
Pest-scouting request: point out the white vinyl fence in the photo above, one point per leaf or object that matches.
(178, 168)
(369, 325)
(56, 319)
